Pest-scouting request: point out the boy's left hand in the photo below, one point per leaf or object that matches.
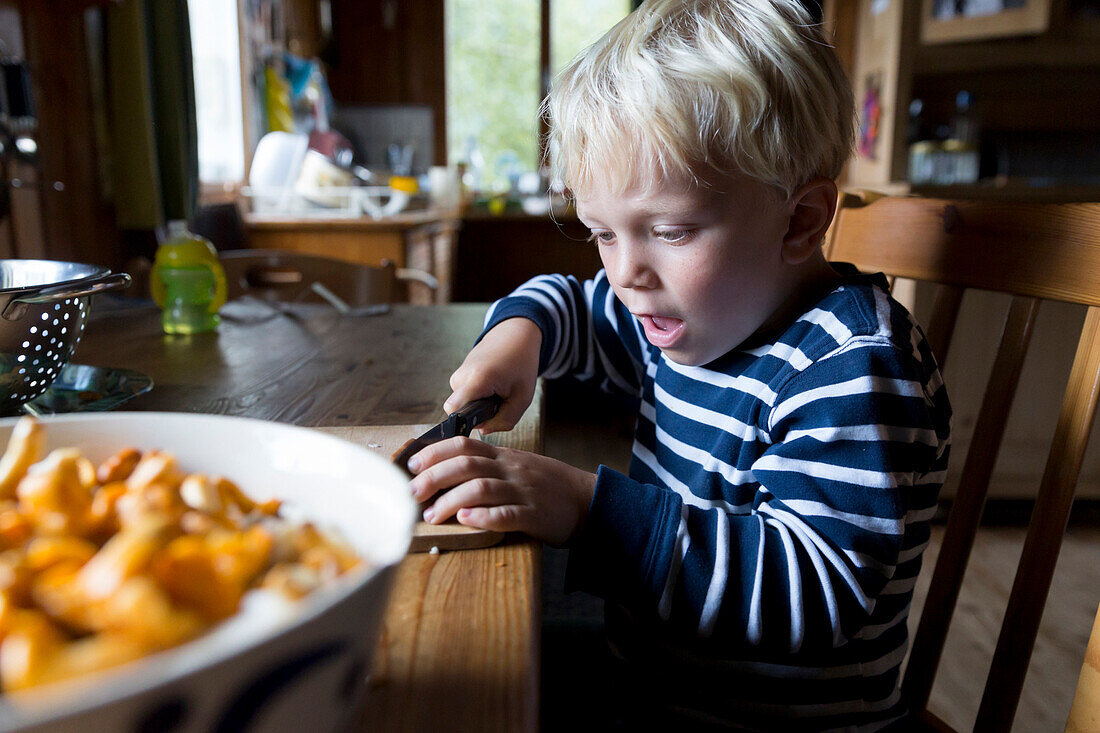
(502, 489)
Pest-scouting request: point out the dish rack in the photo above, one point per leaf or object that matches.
(326, 202)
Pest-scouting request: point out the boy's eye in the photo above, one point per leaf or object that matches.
(602, 237)
(675, 236)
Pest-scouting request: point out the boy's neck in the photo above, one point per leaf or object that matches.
(811, 282)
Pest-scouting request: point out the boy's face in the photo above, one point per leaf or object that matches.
(700, 268)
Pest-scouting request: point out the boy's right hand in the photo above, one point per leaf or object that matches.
(505, 362)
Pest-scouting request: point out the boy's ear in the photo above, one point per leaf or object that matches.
(810, 210)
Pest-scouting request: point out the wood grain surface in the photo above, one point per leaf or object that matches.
(1038, 250)
(1084, 715)
(459, 645)
(307, 366)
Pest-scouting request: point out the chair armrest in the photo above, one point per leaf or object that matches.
(420, 276)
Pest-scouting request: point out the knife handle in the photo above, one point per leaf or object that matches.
(474, 413)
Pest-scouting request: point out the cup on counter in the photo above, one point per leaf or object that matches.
(444, 187)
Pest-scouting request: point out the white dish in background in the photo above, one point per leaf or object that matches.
(278, 160)
(372, 198)
(320, 181)
(276, 165)
(274, 666)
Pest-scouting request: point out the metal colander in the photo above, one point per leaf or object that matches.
(43, 307)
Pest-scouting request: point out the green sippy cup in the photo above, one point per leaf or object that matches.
(187, 282)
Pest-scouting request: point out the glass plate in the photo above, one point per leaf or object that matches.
(82, 388)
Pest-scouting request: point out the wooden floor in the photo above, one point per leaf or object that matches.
(1055, 665)
(1063, 633)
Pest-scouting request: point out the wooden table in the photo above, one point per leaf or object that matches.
(459, 645)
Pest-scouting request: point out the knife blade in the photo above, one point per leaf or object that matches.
(460, 422)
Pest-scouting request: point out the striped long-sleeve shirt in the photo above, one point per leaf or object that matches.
(759, 560)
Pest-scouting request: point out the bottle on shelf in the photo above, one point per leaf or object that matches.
(964, 124)
(950, 154)
(922, 151)
(187, 282)
(962, 146)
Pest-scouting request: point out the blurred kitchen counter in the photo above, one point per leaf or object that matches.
(424, 240)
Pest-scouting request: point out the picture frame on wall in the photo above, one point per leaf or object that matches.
(949, 21)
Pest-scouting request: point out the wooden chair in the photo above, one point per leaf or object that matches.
(1032, 252)
(1084, 713)
(278, 276)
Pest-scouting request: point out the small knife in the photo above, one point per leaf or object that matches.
(460, 422)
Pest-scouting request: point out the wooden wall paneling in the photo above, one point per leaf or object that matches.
(841, 18)
(77, 220)
(366, 64)
(495, 255)
(7, 229)
(28, 237)
(423, 62)
(886, 39)
(390, 52)
(303, 27)
(7, 244)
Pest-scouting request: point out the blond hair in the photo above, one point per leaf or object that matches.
(691, 88)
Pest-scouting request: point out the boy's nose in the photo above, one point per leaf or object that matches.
(632, 269)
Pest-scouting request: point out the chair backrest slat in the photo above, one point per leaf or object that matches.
(1086, 699)
(1032, 252)
(966, 509)
(945, 313)
(1044, 534)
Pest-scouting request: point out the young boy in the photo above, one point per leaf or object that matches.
(792, 432)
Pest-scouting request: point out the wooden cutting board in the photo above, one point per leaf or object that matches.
(450, 535)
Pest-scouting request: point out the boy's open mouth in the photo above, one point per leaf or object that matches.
(662, 331)
(665, 323)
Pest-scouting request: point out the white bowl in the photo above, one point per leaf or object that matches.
(273, 666)
(373, 196)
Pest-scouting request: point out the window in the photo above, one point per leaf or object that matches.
(215, 49)
(576, 24)
(494, 64)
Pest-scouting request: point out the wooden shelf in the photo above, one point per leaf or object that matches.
(1002, 55)
(1012, 191)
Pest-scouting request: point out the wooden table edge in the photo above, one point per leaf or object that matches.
(427, 674)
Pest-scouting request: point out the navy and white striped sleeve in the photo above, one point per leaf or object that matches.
(855, 461)
(586, 331)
